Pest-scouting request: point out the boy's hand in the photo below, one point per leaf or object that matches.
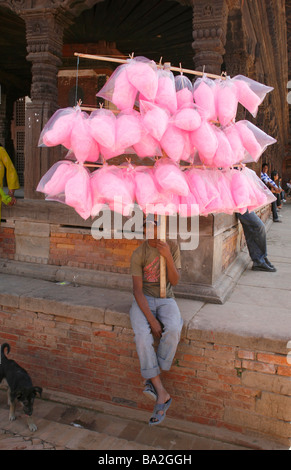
(156, 328)
(164, 249)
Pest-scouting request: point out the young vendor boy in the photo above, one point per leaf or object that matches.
(152, 316)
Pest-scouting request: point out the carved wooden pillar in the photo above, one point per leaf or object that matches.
(209, 34)
(44, 33)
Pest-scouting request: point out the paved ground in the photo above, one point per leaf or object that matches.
(70, 423)
(68, 426)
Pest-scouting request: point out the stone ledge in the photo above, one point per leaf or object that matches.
(230, 324)
(216, 294)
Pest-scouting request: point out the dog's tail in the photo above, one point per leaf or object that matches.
(3, 347)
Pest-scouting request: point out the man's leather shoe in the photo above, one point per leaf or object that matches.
(277, 220)
(269, 263)
(264, 267)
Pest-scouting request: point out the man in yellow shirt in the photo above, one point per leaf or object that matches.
(11, 177)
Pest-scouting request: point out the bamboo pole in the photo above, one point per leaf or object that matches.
(163, 268)
(124, 61)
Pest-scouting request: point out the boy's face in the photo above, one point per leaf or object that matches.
(150, 231)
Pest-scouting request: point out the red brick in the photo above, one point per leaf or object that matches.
(246, 355)
(259, 367)
(272, 358)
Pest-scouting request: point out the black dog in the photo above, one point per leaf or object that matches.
(19, 387)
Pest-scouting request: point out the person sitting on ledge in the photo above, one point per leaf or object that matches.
(152, 316)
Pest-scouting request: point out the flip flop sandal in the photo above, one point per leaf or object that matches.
(150, 391)
(157, 416)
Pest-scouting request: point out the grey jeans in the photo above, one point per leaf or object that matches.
(168, 313)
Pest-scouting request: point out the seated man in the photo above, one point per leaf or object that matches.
(152, 316)
(273, 187)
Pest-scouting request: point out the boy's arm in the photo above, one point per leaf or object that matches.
(172, 272)
(144, 306)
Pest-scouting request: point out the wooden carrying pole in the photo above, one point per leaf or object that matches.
(124, 61)
(163, 268)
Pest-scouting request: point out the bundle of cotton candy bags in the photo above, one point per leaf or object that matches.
(54, 180)
(170, 178)
(184, 91)
(250, 93)
(110, 186)
(204, 93)
(57, 130)
(85, 148)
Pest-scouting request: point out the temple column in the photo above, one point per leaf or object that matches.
(209, 34)
(44, 33)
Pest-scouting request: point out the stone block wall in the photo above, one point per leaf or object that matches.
(227, 383)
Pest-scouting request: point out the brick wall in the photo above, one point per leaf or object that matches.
(83, 251)
(7, 243)
(242, 389)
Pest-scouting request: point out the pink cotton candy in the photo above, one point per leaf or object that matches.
(170, 177)
(146, 188)
(226, 102)
(187, 119)
(249, 140)
(142, 74)
(110, 186)
(189, 206)
(166, 93)
(250, 93)
(223, 186)
(173, 143)
(184, 98)
(233, 137)
(147, 146)
(246, 97)
(55, 179)
(128, 129)
(223, 156)
(205, 141)
(167, 204)
(98, 201)
(58, 129)
(83, 145)
(189, 150)
(214, 200)
(254, 140)
(102, 124)
(118, 89)
(240, 189)
(197, 185)
(260, 193)
(155, 119)
(204, 96)
(124, 93)
(78, 192)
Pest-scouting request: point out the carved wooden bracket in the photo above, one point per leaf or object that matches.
(209, 34)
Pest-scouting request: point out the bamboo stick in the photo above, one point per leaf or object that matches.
(163, 269)
(124, 61)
